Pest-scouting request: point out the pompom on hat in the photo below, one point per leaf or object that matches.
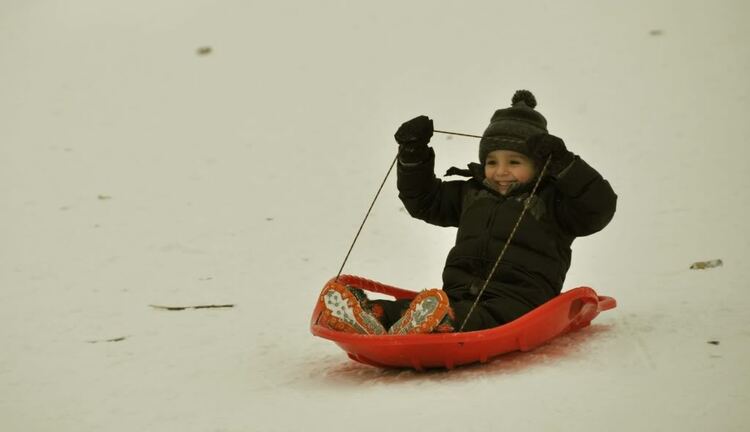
(510, 127)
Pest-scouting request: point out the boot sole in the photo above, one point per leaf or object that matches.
(425, 313)
(343, 312)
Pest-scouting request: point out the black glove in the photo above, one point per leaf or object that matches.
(545, 145)
(412, 138)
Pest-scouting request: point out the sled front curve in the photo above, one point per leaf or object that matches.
(567, 312)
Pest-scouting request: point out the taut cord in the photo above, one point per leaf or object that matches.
(459, 134)
(526, 205)
(366, 216)
(506, 139)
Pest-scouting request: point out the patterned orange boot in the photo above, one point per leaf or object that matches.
(426, 313)
(343, 311)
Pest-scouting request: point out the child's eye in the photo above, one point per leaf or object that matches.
(491, 162)
(515, 162)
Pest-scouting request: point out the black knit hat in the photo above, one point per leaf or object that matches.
(510, 127)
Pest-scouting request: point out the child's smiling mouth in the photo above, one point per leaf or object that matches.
(504, 186)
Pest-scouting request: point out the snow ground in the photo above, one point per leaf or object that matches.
(135, 171)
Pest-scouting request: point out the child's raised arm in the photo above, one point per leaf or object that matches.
(424, 195)
(586, 201)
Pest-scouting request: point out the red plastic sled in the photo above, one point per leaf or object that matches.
(569, 311)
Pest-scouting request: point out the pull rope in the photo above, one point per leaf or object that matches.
(457, 133)
(507, 139)
(526, 205)
(377, 194)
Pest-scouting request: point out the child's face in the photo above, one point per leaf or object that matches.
(505, 169)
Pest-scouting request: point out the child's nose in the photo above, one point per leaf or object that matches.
(502, 169)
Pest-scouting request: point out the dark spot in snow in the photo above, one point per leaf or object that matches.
(656, 32)
(117, 339)
(181, 308)
(269, 219)
(703, 265)
(204, 50)
(713, 342)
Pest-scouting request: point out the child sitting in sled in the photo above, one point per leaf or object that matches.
(571, 200)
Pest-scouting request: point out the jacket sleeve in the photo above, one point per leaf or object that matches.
(426, 197)
(586, 202)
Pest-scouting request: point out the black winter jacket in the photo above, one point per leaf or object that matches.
(578, 203)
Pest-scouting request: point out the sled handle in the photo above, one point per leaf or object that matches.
(606, 303)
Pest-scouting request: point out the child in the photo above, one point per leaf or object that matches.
(572, 200)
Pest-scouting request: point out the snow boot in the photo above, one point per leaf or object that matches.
(426, 313)
(343, 311)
